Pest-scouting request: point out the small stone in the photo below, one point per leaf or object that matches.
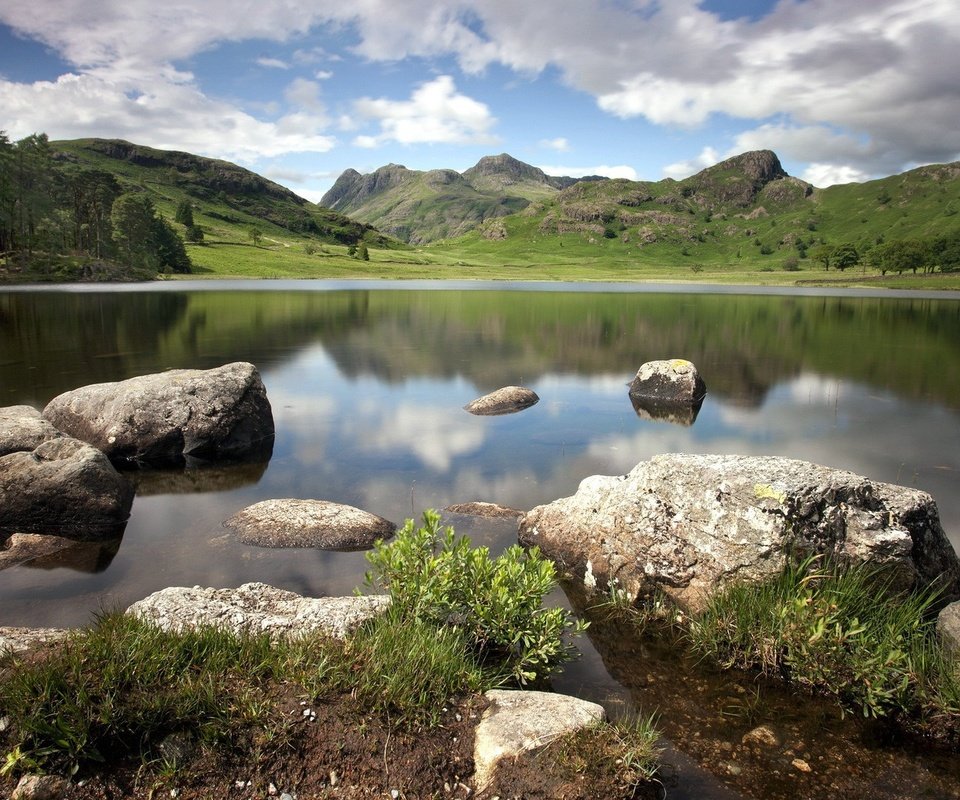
(800, 764)
(765, 735)
(286, 796)
(40, 787)
(272, 790)
(334, 778)
(394, 793)
(733, 767)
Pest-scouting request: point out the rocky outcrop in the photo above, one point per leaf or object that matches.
(159, 419)
(507, 400)
(65, 487)
(309, 523)
(688, 524)
(257, 608)
(516, 722)
(20, 640)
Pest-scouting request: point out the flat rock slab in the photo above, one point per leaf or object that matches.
(481, 509)
(159, 419)
(663, 383)
(688, 524)
(519, 721)
(507, 400)
(309, 523)
(20, 640)
(257, 608)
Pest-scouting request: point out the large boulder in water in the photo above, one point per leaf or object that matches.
(54, 484)
(158, 419)
(688, 524)
(666, 384)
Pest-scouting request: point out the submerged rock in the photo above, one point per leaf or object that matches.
(662, 384)
(507, 400)
(44, 551)
(688, 524)
(479, 508)
(309, 523)
(257, 608)
(159, 419)
(519, 721)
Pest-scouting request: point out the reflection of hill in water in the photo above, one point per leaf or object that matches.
(743, 344)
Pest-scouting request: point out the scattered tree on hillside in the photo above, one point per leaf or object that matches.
(255, 234)
(900, 255)
(845, 255)
(822, 253)
(362, 252)
(184, 214)
(143, 238)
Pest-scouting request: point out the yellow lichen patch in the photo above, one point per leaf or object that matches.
(764, 490)
(680, 365)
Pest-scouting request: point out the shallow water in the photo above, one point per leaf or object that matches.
(367, 385)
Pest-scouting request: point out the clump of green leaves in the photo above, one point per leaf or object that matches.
(834, 630)
(496, 604)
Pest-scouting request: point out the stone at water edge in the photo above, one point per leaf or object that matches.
(519, 721)
(507, 400)
(257, 608)
(671, 382)
(479, 508)
(159, 419)
(309, 523)
(948, 629)
(689, 524)
(23, 429)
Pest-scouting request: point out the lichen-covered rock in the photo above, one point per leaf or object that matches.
(309, 523)
(158, 419)
(20, 640)
(507, 400)
(516, 722)
(675, 382)
(257, 608)
(688, 524)
(64, 487)
(22, 428)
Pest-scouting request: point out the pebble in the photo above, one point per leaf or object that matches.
(800, 764)
(763, 735)
(334, 778)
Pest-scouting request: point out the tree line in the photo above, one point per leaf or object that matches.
(900, 255)
(52, 208)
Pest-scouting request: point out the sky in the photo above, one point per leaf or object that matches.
(300, 90)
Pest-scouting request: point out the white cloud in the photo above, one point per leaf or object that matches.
(272, 63)
(559, 144)
(305, 94)
(323, 74)
(606, 170)
(831, 174)
(435, 112)
(684, 169)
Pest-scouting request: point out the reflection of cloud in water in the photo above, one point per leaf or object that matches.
(435, 435)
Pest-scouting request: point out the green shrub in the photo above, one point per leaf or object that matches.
(496, 604)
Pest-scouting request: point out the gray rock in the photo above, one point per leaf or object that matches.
(257, 608)
(481, 509)
(507, 400)
(309, 523)
(519, 721)
(23, 429)
(687, 524)
(40, 787)
(19, 640)
(948, 628)
(660, 384)
(63, 487)
(158, 419)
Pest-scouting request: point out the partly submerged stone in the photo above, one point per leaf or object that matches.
(516, 722)
(507, 400)
(689, 524)
(159, 419)
(309, 523)
(479, 508)
(658, 385)
(257, 608)
(65, 487)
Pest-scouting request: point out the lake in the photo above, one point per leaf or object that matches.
(367, 382)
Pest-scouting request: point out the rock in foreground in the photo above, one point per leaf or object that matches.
(309, 523)
(688, 524)
(158, 419)
(257, 608)
(507, 400)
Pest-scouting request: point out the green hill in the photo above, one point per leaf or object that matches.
(223, 196)
(420, 207)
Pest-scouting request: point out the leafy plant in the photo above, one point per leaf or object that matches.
(496, 603)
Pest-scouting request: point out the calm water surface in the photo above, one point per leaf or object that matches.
(367, 387)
